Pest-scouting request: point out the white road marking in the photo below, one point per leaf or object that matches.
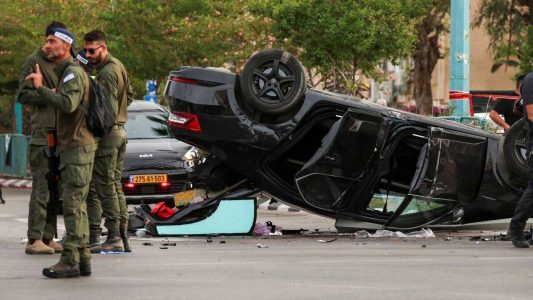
(402, 260)
(505, 258)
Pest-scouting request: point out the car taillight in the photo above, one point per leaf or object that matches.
(183, 80)
(185, 121)
(165, 185)
(129, 185)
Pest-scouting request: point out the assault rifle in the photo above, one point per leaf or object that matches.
(52, 177)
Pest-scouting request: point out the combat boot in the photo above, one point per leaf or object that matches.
(61, 270)
(123, 229)
(38, 247)
(94, 240)
(54, 245)
(518, 239)
(85, 267)
(113, 243)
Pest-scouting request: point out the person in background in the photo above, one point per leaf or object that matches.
(524, 208)
(507, 109)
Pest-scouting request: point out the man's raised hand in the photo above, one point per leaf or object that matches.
(36, 77)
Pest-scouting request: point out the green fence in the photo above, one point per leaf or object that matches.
(14, 155)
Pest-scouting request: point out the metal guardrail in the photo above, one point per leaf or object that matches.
(14, 154)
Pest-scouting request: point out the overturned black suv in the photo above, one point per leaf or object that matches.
(366, 166)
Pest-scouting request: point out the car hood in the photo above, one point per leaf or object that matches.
(156, 148)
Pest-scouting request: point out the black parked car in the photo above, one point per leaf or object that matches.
(156, 164)
(337, 156)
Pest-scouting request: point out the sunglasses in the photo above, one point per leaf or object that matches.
(92, 50)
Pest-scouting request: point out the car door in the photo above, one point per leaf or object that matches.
(346, 155)
(448, 176)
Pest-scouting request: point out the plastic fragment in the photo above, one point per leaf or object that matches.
(327, 241)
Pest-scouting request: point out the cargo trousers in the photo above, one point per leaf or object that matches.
(75, 170)
(40, 226)
(524, 207)
(106, 196)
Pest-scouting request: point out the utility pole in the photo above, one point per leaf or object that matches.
(460, 55)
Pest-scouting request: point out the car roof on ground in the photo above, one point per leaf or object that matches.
(140, 105)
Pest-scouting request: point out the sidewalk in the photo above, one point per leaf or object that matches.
(11, 182)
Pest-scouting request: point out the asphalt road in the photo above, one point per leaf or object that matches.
(450, 266)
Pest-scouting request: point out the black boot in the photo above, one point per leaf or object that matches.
(85, 267)
(94, 240)
(124, 235)
(518, 239)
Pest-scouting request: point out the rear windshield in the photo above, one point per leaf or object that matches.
(147, 125)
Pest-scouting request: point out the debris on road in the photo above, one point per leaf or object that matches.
(327, 241)
(423, 233)
(267, 229)
(261, 246)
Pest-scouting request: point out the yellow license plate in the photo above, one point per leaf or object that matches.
(152, 178)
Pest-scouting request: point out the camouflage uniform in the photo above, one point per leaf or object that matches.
(43, 118)
(76, 146)
(110, 155)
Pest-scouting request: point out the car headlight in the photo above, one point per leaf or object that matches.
(193, 157)
(192, 154)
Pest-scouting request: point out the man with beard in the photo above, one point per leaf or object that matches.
(76, 146)
(41, 227)
(109, 160)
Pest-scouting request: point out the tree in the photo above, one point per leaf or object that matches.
(344, 39)
(427, 53)
(508, 24)
(150, 37)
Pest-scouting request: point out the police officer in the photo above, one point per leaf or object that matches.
(41, 227)
(109, 161)
(524, 208)
(76, 146)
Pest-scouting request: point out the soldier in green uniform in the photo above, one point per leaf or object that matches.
(109, 160)
(76, 146)
(41, 227)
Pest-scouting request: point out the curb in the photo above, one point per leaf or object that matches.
(15, 183)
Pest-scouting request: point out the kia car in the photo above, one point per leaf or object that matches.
(156, 164)
(364, 165)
